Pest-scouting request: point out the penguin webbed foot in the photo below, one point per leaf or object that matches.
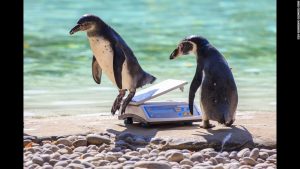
(126, 101)
(117, 102)
(206, 125)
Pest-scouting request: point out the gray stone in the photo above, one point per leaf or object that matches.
(270, 152)
(140, 141)
(97, 139)
(55, 155)
(212, 153)
(249, 161)
(76, 161)
(61, 163)
(197, 157)
(242, 152)
(64, 141)
(259, 160)
(64, 151)
(75, 166)
(121, 159)
(54, 148)
(110, 158)
(186, 162)
(219, 166)
(87, 164)
(81, 149)
(124, 135)
(263, 155)
(213, 160)
(225, 154)
(38, 160)
(47, 167)
(233, 155)
(103, 162)
(152, 165)
(53, 162)
(186, 155)
(254, 153)
(72, 138)
(135, 159)
(133, 153)
(143, 151)
(45, 157)
(176, 156)
(220, 159)
(80, 142)
(245, 167)
(159, 158)
(185, 166)
(154, 151)
(234, 165)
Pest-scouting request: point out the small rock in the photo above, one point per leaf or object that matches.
(72, 138)
(212, 153)
(176, 156)
(64, 141)
(187, 155)
(154, 151)
(197, 157)
(159, 158)
(38, 160)
(133, 153)
(152, 165)
(81, 149)
(186, 162)
(219, 166)
(245, 167)
(234, 165)
(54, 148)
(213, 160)
(140, 141)
(110, 158)
(26, 142)
(123, 135)
(103, 162)
(270, 152)
(53, 161)
(75, 166)
(259, 160)
(47, 167)
(80, 142)
(233, 155)
(185, 166)
(122, 160)
(143, 151)
(61, 163)
(242, 152)
(87, 164)
(135, 159)
(45, 157)
(63, 151)
(249, 161)
(220, 159)
(263, 155)
(97, 139)
(254, 153)
(86, 155)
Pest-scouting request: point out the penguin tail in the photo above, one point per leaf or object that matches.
(147, 79)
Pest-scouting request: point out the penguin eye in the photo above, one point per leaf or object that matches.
(186, 47)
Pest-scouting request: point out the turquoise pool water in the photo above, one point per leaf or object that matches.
(57, 66)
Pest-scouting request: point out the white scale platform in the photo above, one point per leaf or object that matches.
(140, 109)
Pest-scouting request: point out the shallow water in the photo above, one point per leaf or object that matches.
(57, 66)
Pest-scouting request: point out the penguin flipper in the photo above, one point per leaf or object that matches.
(96, 70)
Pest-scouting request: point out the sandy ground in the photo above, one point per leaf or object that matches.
(259, 126)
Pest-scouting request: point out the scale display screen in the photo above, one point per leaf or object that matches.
(168, 111)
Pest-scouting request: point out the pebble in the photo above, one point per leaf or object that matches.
(176, 156)
(104, 150)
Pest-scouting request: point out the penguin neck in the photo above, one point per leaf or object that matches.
(97, 31)
(201, 51)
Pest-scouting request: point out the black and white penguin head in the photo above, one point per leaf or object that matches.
(88, 23)
(189, 45)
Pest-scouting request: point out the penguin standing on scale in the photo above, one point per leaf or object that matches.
(112, 55)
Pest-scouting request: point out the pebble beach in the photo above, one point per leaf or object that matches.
(127, 150)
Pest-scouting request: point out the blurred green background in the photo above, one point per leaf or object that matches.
(57, 66)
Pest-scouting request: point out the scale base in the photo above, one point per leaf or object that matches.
(160, 113)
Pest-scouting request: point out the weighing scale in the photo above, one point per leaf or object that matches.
(140, 109)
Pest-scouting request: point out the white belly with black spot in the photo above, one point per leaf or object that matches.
(104, 55)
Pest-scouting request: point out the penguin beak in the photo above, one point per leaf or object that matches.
(75, 29)
(174, 54)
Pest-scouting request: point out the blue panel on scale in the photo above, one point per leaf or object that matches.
(168, 111)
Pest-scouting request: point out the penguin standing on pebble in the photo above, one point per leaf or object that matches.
(113, 56)
(219, 96)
